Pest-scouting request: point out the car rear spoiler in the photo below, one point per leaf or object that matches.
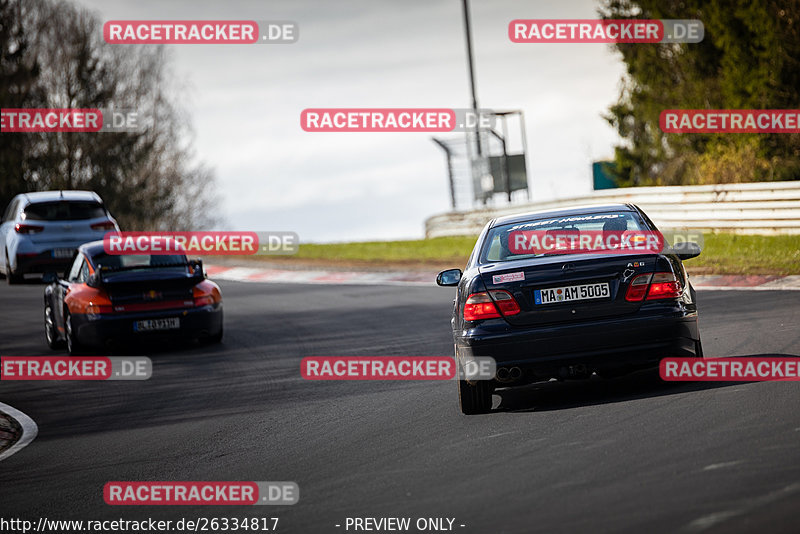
(195, 275)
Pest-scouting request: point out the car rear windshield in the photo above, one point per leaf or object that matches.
(64, 210)
(500, 244)
(132, 262)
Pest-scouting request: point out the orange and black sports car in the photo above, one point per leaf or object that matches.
(110, 298)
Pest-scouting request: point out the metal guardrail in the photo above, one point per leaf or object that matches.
(747, 208)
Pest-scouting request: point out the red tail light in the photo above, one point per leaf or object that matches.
(105, 225)
(201, 298)
(480, 305)
(654, 286)
(504, 301)
(27, 228)
(98, 309)
(664, 286)
(205, 300)
(638, 288)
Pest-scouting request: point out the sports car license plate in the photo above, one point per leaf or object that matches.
(571, 293)
(63, 252)
(147, 325)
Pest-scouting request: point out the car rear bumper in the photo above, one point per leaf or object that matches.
(41, 263)
(109, 328)
(625, 342)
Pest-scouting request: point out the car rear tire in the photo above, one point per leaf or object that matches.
(474, 398)
(50, 331)
(11, 277)
(213, 339)
(698, 349)
(74, 347)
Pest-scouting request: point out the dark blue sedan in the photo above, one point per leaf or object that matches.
(568, 293)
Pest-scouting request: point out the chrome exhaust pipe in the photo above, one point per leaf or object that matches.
(515, 373)
(502, 374)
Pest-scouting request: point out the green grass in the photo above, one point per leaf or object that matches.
(722, 254)
(748, 254)
(437, 250)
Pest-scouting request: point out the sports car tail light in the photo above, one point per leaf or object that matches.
(27, 228)
(480, 305)
(654, 286)
(205, 300)
(201, 298)
(664, 286)
(638, 288)
(105, 225)
(99, 304)
(98, 309)
(504, 301)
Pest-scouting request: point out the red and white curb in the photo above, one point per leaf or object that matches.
(422, 278)
(281, 276)
(732, 282)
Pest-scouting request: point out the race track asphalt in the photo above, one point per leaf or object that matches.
(627, 455)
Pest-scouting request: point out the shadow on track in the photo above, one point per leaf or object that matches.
(554, 395)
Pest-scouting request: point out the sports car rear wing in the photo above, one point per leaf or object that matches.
(104, 275)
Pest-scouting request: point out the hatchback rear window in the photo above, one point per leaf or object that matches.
(64, 210)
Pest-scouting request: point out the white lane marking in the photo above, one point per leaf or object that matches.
(707, 521)
(29, 430)
(721, 465)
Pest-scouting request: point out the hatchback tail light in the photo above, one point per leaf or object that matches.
(653, 286)
(105, 225)
(481, 306)
(27, 228)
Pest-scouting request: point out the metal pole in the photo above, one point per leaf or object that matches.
(468, 33)
(525, 150)
(505, 158)
(449, 154)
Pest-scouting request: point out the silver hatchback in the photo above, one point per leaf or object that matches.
(40, 232)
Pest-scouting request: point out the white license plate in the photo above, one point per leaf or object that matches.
(171, 323)
(571, 293)
(63, 252)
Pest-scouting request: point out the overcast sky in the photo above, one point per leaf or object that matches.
(245, 102)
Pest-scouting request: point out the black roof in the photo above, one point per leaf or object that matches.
(563, 212)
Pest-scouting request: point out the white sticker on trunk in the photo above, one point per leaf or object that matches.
(510, 277)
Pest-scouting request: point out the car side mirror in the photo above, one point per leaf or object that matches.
(450, 277)
(50, 277)
(686, 250)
